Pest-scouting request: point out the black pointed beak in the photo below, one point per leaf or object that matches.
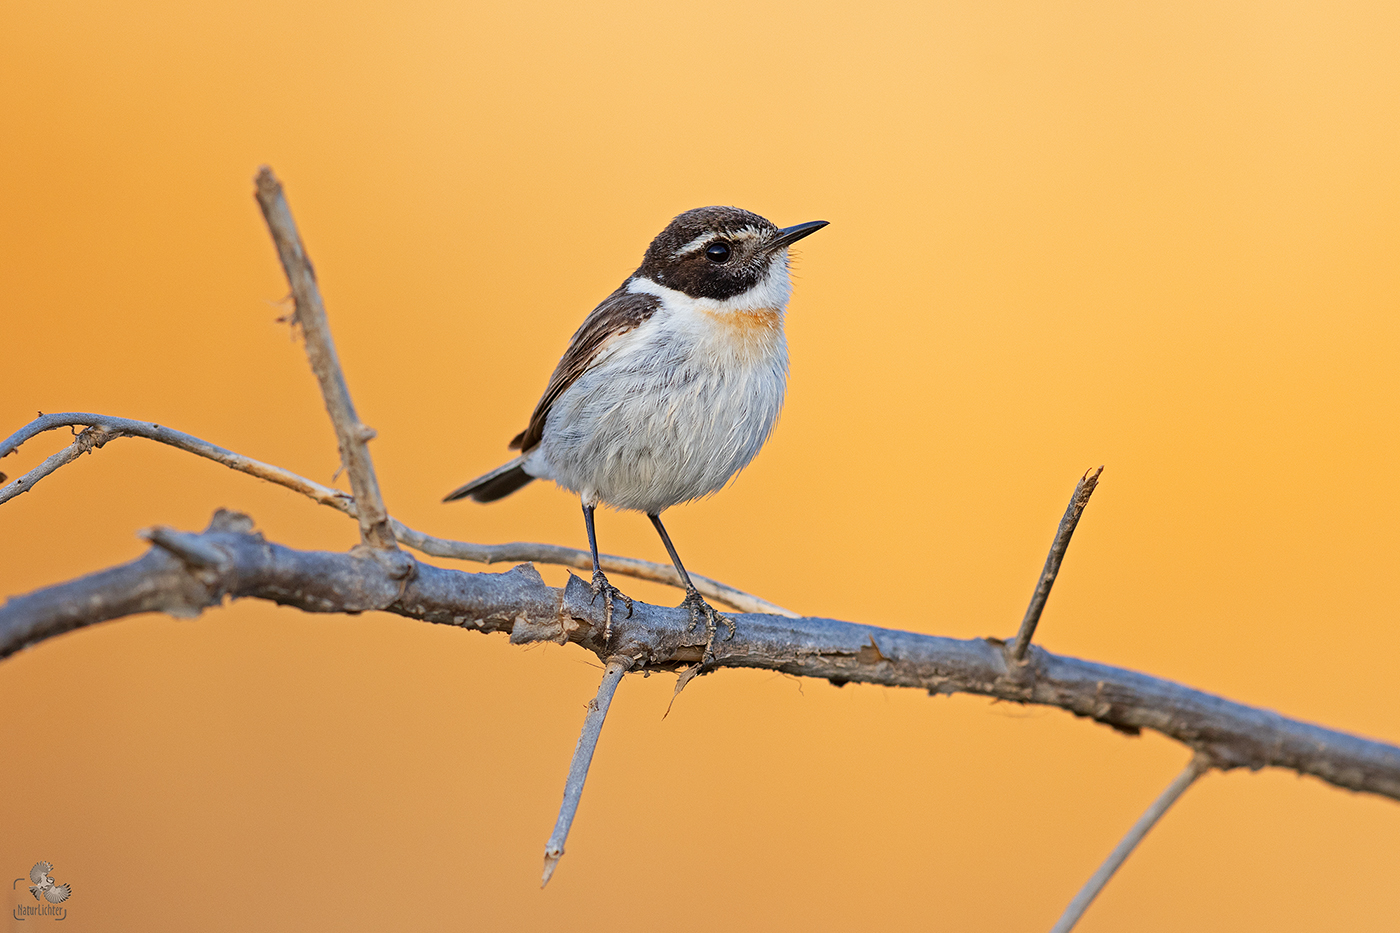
(790, 235)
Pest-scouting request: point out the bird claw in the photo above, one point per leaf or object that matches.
(699, 609)
(610, 594)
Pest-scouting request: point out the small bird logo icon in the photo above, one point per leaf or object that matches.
(43, 884)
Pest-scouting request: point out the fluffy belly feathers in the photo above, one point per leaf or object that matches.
(670, 411)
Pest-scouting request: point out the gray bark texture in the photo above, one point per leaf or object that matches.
(185, 573)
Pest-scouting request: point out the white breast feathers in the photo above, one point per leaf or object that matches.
(671, 410)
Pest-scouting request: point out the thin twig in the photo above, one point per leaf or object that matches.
(517, 551)
(107, 428)
(661, 638)
(583, 757)
(1198, 766)
(351, 434)
(1077, 502)
(85, 442)
(104, 428)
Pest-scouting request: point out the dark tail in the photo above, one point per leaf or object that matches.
(497, 484)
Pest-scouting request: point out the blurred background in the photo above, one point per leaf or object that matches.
(1159, 236)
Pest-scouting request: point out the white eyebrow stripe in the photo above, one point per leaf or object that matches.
(743, 233)
(693, 245)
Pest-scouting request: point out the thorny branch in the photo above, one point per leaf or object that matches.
(185, 573)
(100, 429)
(518, 602)
(352, 436)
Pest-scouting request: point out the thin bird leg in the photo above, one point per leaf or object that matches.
(693, 600)
(601, 586)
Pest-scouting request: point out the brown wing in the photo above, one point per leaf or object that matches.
(620, 312)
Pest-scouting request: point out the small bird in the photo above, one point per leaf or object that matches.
(43, 884)
(669, 387)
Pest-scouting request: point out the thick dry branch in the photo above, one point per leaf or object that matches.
(352, 436)
(1068, 523)
(1194, 769)
(104, 428)
(1227, 734)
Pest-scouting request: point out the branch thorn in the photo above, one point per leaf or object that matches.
(684, 678)
(189, 548)
(1087, 483)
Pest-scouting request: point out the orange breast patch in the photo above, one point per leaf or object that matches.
(749, 332)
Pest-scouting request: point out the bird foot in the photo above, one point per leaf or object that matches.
(699, 609)
(610, 594)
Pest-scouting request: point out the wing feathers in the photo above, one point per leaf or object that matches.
(620, 312)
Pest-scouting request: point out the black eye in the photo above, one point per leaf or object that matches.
(718, 251)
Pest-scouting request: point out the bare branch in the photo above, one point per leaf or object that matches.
(185, 573)
(1197, 766)
(1068, 523)
(84, 443)
(1229, 734)
(352, 436)
(104, 428)
(583, 757)
(518, 551)
(107, 428)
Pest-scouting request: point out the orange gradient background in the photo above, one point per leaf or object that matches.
(1161, 236)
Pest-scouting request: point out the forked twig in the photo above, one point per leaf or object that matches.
(352, 436)
(583, 757)
(1077, 502)
(1198, 766)
(85, 442)
(104, 428)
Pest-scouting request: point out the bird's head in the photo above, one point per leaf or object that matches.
(724, 253)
